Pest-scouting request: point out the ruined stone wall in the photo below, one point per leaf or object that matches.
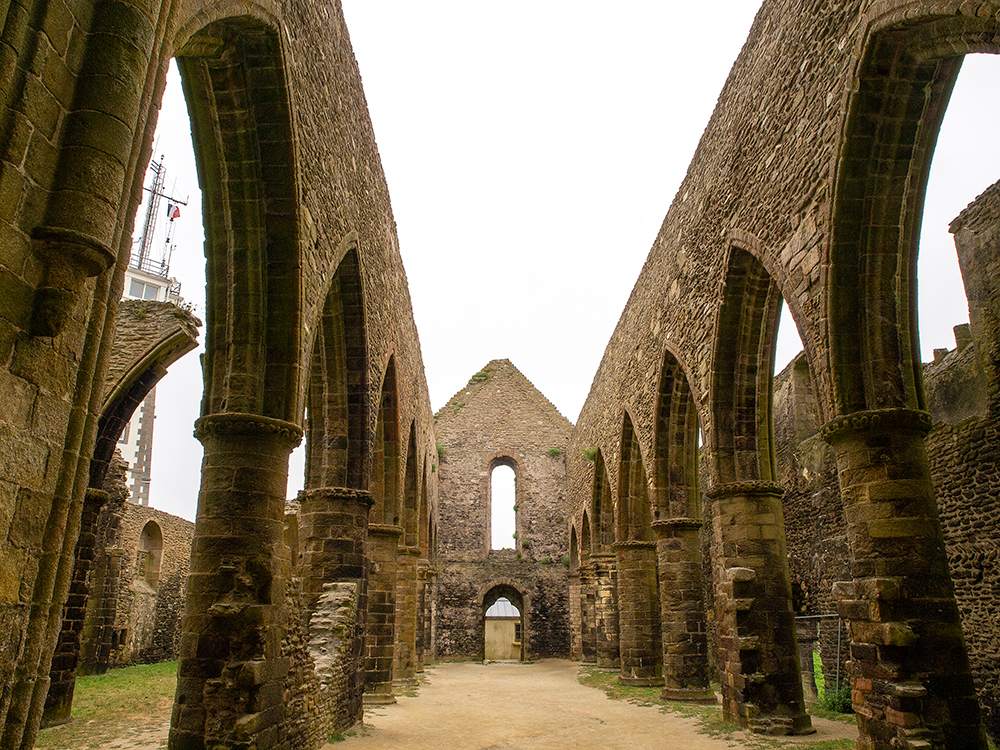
(500, 418)
(787, 195)
(149, 618)
(964, 454)
(815, 528)
(98, 639)
(460, 613)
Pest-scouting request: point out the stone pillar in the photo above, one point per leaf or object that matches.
(62, 673)
(588, 623)
(912, 686)
(640, 639)
(333, 535)
(423, 619)
(682, 607)
(107, 612)
(606, 611)
(807, 633)
(758, 656)
(405, 669)
(575, 618)
(383, 542)
(231, 671)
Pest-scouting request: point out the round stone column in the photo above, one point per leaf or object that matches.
(383, 541)
(231, 672)
(333, 536)
(758, 656)
(912, 686)
(588, 616)
(423, 613)
(682, 607)
(405, 671)
(606, 611)
(640, 640)
(333, 533)
(575, 617)
(62, 672)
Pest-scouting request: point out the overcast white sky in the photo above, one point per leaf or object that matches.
(532, 150)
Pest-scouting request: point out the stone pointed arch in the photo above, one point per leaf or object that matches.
(235, 83)
(338, 447)
(634, 515)
(755, 625)
(908, 67)
(678, 522)
(385, 536)
(742, 444)
(520, 600)
(906, 76)
(385, 458)
(604, 560)
(604, 514)
(635, 549)
(675, 444)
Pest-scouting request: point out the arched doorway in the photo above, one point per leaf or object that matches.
(503, 624)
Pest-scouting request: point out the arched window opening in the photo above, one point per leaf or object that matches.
(177, 261)
(788, 342)
(966, 161)
(149, 555)
(503, 508)
(384, 477)
(604, 526)
(633, 490)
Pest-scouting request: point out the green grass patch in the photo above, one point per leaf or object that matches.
(709, 718)
(124, 702)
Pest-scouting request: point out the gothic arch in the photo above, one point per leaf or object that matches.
(675, 445)
(338, 447)
(385, 460)
(742, 444)
(235, 85)
(506, 589)
(907, 68)
(604, 514)
(633, 522)
(905, 79)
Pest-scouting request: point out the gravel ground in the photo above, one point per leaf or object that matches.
(540, 706)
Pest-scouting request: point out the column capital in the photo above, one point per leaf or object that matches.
(750, 487)
(634, 544)
(384, 529)
(877, 421)
(362, 497)
(235, 424)
(677, 524)
(96, 496)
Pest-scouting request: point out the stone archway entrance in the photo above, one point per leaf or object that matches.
(503, 624)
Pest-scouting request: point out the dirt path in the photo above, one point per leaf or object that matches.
(541, 706)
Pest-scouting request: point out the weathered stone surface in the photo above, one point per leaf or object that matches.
(806, 186)
(500, 418)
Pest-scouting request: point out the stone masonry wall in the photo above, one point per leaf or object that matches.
(500, 418)
(965, 465)
(148, 619)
